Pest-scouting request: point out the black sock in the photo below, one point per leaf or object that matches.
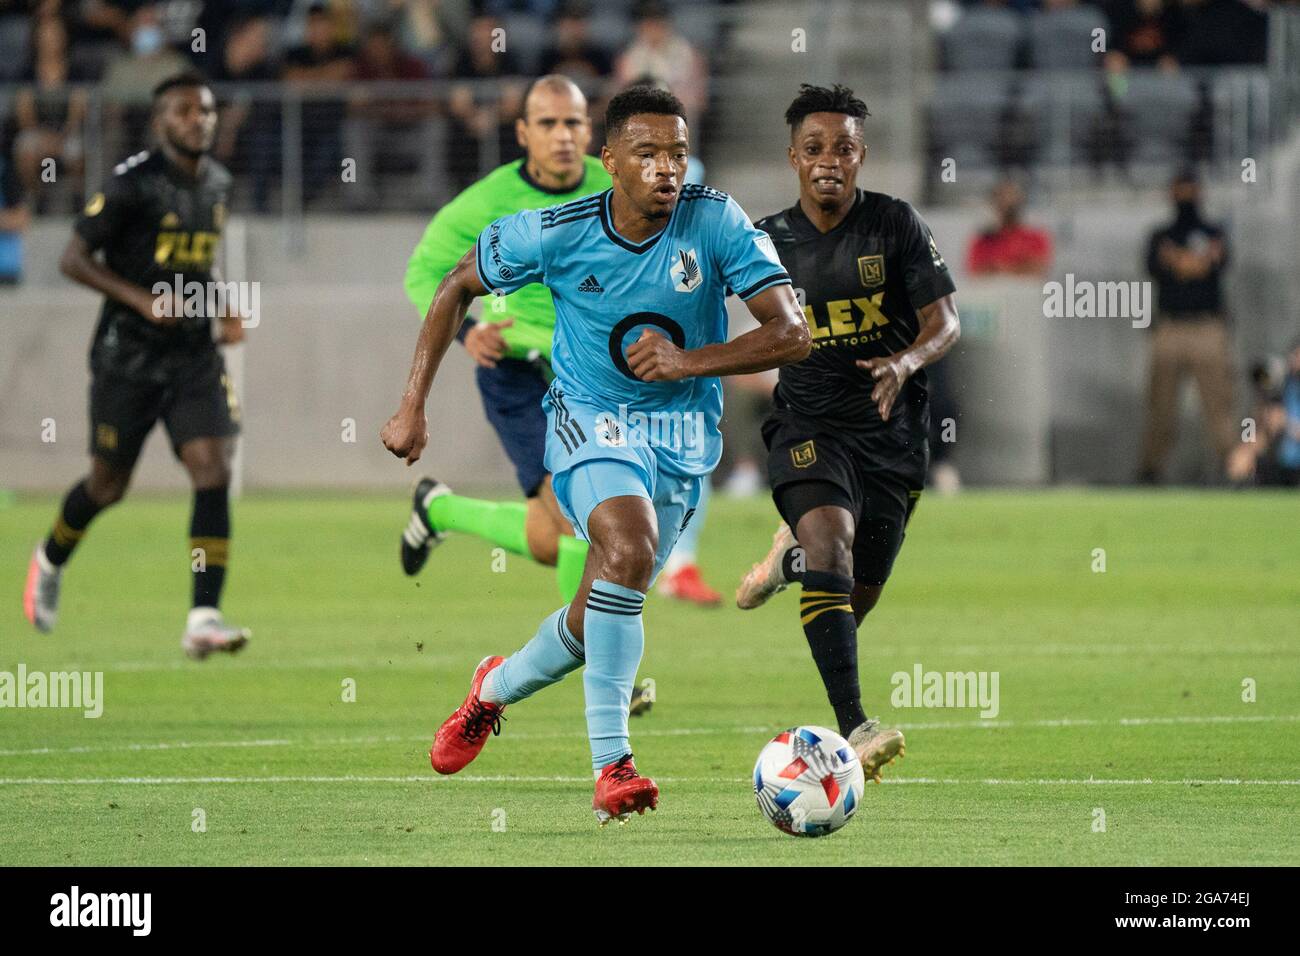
(828, 623)
(77, 511)
(792, 564)
(210, 536)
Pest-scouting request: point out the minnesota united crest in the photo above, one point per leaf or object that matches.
(685, 271)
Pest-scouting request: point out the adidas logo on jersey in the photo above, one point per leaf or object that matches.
(590, 284)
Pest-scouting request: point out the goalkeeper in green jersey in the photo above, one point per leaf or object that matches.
(511, 340)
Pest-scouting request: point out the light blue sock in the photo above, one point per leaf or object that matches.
(614, 639)
(552, 653)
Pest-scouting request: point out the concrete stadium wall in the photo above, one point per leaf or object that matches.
(1042, 399)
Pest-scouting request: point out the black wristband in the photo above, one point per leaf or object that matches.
(465, 326)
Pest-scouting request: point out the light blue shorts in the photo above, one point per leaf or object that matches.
(593, 457)
(674, 498)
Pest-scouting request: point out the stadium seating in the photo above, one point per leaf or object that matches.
(964, 116)
(15, 32)
(1161, 106)
(1063, 39)
(984, 39)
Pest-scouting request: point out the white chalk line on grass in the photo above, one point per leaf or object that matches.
(1063, 722)
(510, 778)
(431, 657)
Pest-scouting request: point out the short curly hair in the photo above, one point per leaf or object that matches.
(824, 99)
(634, 100)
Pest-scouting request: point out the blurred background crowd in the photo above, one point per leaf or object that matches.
(397, 85)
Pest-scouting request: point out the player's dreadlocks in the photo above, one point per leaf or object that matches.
(639, 99)
(822, 99)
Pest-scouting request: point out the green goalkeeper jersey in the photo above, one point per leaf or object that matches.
(506, 190)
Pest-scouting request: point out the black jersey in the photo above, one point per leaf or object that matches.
(155, 223)
(861, 285)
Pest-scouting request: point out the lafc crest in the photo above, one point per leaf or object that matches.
(871, 270)
(803, 455)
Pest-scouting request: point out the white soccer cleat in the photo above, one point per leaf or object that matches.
(767, 577)
(206, 632)
(875, 747)
(41, 592)
(945, 479)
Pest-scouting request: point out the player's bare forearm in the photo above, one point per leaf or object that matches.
(447, 311)
(79, 264)
(939, 332)
(407, 432)
(780, 339)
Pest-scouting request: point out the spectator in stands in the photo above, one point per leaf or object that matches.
(49, 116)
(1146, 32)
(658, 50)
(382, 59)
(248, 136)
(486, 113)
(149, 61)
(571, 51)
(1222, 32)
(318, 65)
(1187, 258)
(97, 31)
(430, 28)
(1010, 247)
(14, 219)
(390, 127)
(1273, 457)
(130, 78)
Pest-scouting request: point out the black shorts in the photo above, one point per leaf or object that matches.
(199, 404)
(811, 464)
(512, 400)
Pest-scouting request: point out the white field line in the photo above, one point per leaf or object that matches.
(1063, 722)
(428, 658)
(510, 778)
(432, 657)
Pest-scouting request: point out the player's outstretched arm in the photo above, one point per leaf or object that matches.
(781, 338)
(407, 432)
(940, 329)
(79, 264)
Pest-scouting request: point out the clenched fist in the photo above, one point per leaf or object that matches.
(406, 434)
(653, 358)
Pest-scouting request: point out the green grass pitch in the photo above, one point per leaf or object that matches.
(1121, 694)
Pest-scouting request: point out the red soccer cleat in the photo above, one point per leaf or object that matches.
(686, 584)
(620, 790)
(463, 734)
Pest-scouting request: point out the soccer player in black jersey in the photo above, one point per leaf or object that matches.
(158, 222)
(847, 448)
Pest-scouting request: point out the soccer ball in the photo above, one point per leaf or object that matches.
(808, 781)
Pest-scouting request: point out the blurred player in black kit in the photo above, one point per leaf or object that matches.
(158, 222)
(847, 441)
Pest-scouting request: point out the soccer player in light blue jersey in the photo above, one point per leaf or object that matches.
(639, 274)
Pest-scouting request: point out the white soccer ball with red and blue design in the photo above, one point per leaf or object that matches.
(808, 781)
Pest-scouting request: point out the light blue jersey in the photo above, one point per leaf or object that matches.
(607, 290)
